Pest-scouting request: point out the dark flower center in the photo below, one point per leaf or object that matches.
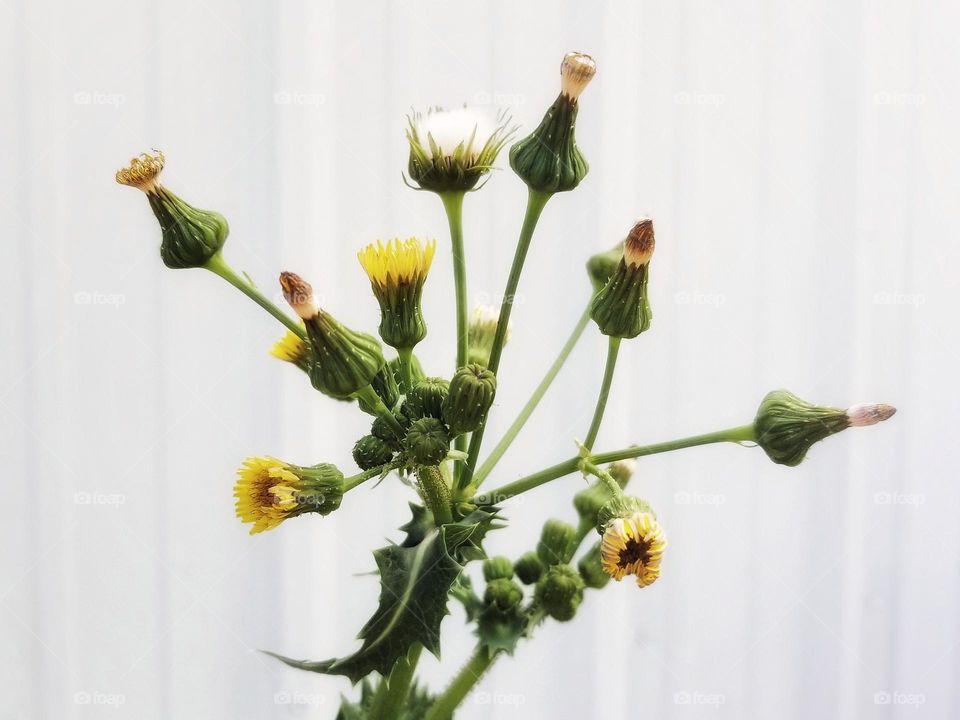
(635, 551)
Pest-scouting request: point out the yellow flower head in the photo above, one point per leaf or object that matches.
(291, 348)
(399, 262)
(397, 272)
(143, 171)
(268, 491)
(633, 546)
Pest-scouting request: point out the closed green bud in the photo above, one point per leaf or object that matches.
(397, 272)
(371, 451)
(621, 308)
(383, 429)
(529, 568)
(591, 569)
(503, 593)
(190, 236)
(622, 471)
(426, 399)
(786, 426)
(589, 501)
(602, 265)
(342, 361)
(428, 441)
(497, 568)
(472, 390)
(548, 160)
(556, 542)
(559, 592)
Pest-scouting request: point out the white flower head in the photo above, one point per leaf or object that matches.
(450, 150)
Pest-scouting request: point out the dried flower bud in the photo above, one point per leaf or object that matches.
(786, 427)
(190, 236)
(548, 160)
(622, 309)
(342, 360)
(576, 72)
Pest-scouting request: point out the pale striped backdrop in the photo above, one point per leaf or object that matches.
(801, 163)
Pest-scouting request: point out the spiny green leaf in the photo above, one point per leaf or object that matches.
(414, 584)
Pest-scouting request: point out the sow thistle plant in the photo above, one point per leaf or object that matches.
(428, 430)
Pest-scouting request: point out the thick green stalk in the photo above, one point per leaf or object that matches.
(389, 705)
(743, 433)
(436, 493)
(461, 685)
(453, 205)
(527, 411)
(613, 349)
(536, 201)
(405, 360)
(219, 266)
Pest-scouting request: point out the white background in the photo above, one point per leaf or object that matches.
(800, 160)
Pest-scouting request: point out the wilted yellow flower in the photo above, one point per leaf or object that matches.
(633, 546)
(291, 348)
(268, 491)
(142, 172)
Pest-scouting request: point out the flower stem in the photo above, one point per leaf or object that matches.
(390, 704)
(352, 481)
(405, 360)
(453, 205)
(527, 411)
(218, 266)
(369, 396)
(742, 433)
(469, 675)
(436, 493)
(536, 201)
(613, 349)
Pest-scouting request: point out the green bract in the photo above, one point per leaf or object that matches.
(786, 426)
(426, 399)
(343, 361)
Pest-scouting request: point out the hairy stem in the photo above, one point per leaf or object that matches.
(742, 433)
(436, 493)
(507, 440)
(536, 201)
(218, 266)
(613, 349)
(461, 685)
